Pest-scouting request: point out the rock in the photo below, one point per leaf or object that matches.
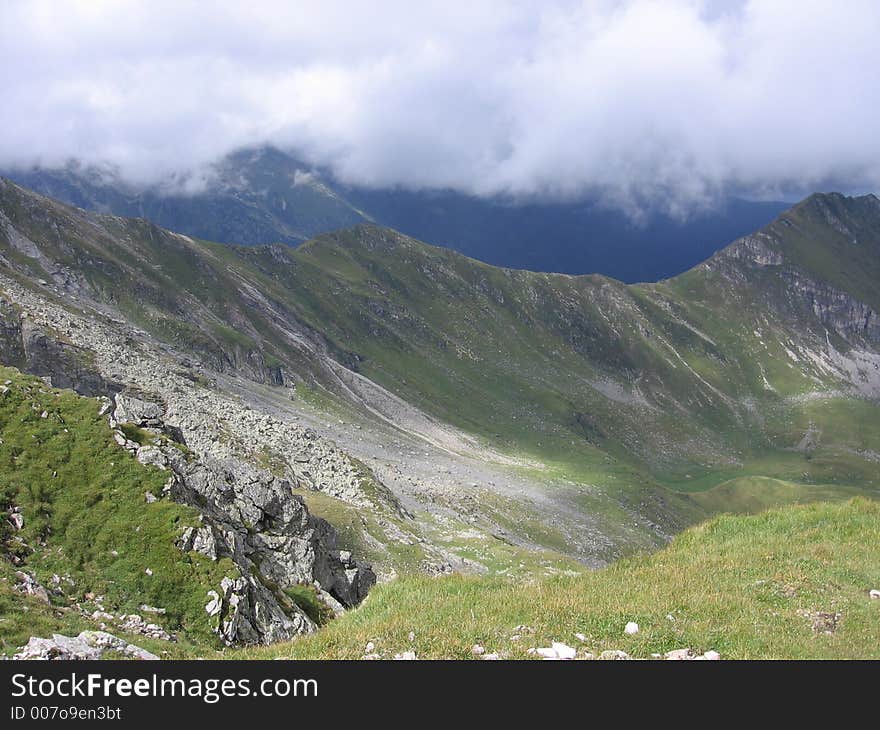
(103, 641)
(477, 650)
(87, 645)
(58, 647)
(411, 636)
(874, 593)
(215, 604)
(563, 651)
(130, 409)
(149, 571)
(200, 540)
(581, 638)
(369, 648)
(557, 650)
(135, 624)
(679, 654)
(252, 615)
(613, 655)
(150, 455)
(631, 628)
(712, 656)
(256, 520)
(406, 656)
(17, 519)
(29, 585)
(152, 609)
(490, 657)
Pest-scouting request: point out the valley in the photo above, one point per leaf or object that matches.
(449, 417)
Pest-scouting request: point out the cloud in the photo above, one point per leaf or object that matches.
(642, 103)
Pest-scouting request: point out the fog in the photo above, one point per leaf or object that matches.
(640, 104)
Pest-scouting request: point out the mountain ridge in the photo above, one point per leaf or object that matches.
(619, 406)
(264, 195)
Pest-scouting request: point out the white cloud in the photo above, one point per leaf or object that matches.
(642, 103)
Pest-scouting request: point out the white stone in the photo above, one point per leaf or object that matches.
(477, 650)
(631, 628)
(546, 652)
(405, 656)
(563, 651)
(214, 605)
(874, 593)
(581, 638)
(369, 648)
(712, 656)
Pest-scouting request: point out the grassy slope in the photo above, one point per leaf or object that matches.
(748, 587)
(83, 498)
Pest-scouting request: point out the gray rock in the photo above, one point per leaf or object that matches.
(252, 517)
(87, 645)
(30, 586)
(613, 655)
(130, 409)
(200, 540)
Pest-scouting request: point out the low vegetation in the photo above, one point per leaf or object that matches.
(791, 583)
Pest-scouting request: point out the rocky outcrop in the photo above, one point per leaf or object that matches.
(760, 249)
(252, 517)
(836, 309)
(35, 350)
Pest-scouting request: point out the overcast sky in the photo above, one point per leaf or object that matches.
(641, 103)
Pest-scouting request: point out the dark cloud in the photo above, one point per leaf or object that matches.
(641, 103)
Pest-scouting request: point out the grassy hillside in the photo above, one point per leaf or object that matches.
(87, 521)
(790, 583)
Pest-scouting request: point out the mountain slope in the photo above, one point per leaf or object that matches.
(571, 413)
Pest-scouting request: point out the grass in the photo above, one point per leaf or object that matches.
(747, 587)
(86, 518)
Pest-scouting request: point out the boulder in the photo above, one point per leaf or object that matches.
(87, 645)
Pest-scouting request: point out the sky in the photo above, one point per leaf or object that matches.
(637, 103)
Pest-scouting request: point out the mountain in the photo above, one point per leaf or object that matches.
(263, 196)
(441, 414)
(250, 197)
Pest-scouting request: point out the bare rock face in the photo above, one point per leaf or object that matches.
(252, 517)
(34, 350)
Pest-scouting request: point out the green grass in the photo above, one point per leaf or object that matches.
(748, 587)
(86, 516)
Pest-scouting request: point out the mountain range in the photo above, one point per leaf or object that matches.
(264, 195)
